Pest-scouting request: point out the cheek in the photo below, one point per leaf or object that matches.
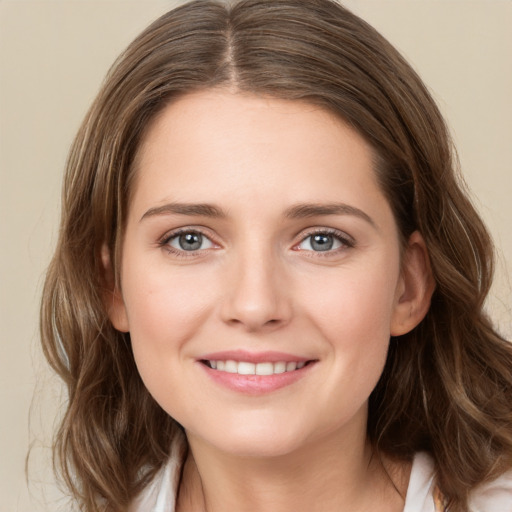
(359, 300)
(353, 311)
(165, 310)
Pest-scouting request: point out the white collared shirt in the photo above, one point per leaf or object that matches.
(160, 494)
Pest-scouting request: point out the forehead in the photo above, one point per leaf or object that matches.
(220, 145)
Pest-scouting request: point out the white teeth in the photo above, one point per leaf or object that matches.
(280, 367)
(246, 368)
(231, 367)
(264, 369)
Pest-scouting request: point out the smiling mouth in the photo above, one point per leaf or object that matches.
(247, 368)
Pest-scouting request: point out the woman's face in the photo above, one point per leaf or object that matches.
(260, 275)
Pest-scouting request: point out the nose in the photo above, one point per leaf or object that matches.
(258, 293)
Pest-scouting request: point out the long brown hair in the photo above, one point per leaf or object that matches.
(446, 387)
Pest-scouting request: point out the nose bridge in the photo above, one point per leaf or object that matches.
(257, 294)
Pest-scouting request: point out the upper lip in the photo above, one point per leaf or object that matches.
(253, 357)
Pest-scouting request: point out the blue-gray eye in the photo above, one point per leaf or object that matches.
(190, 241)
(320, 242)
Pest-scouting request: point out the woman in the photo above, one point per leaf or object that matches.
(268, 289)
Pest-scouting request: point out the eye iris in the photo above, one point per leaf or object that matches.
(190, 241)
(322, 242)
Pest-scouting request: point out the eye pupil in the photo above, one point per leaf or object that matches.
(190, 241)
(322, 242)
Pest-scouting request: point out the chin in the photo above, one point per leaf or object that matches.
(253, 441)
(268, 447)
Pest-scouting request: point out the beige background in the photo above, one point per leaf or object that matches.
(53, 55)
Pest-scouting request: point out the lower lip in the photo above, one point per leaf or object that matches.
(256, 384)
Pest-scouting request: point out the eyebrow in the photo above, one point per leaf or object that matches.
(306, 210)
(193, 209)
(298, 211)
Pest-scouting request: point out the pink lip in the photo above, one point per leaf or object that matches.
(255, 384)
(253, 357)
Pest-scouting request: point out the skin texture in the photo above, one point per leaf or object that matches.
(256, 284)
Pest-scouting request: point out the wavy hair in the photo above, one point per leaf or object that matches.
(447, 385)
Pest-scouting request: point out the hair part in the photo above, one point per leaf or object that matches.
(446, 387)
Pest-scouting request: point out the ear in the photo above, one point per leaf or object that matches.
(111, 295)
(415, 288)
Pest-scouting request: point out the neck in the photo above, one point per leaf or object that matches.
(323, 477)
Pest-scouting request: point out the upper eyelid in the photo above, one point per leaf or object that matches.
(169, 235)
(328, 231)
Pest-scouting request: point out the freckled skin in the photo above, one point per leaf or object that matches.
(257, 283)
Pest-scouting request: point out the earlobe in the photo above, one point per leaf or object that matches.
(415, 289)
(111, 294)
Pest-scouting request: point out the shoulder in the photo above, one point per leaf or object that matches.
(423, 495)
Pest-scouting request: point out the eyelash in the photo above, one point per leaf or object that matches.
(164, 242)
(346, 241)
